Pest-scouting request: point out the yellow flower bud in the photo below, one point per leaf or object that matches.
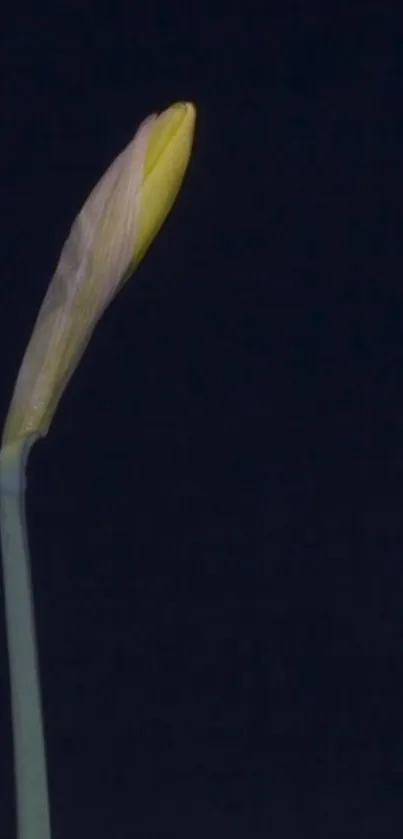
(108, 239)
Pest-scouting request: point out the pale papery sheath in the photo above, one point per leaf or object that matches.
(94, 259)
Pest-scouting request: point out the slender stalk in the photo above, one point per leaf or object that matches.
(31, 788)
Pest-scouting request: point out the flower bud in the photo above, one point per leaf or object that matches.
(108, 239)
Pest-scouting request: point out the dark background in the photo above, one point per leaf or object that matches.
(216, 515)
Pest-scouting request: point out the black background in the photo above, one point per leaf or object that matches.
(216, 515)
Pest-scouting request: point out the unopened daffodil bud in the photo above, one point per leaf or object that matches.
(108, 239)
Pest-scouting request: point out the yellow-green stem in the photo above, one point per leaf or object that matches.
(31, 788)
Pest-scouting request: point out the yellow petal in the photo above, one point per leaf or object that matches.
(108, 239)
(167, 157)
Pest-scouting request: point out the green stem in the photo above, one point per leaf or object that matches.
(31, 788)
